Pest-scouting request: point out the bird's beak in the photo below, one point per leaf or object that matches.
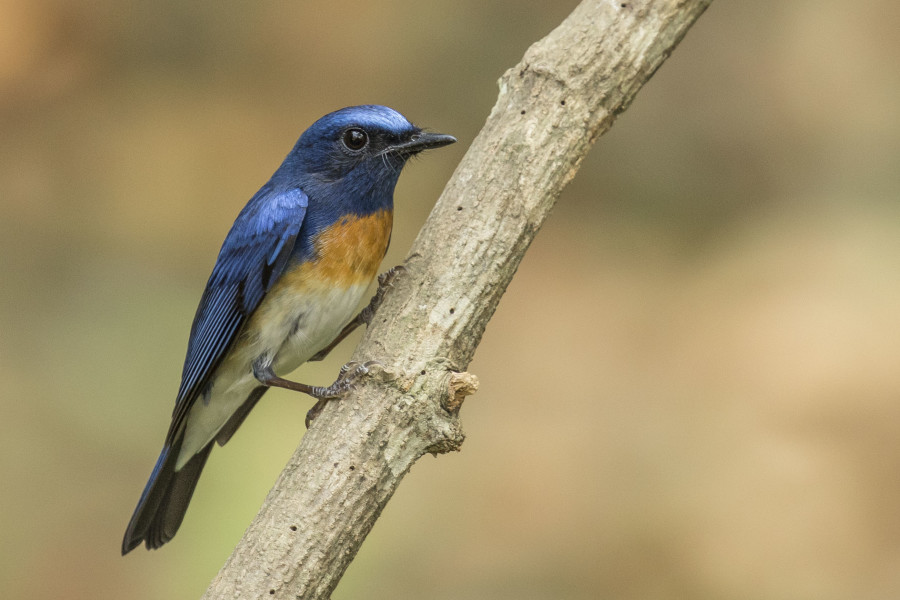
(423, 141)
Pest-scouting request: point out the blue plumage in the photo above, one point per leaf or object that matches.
(289, 275)
(253, 256)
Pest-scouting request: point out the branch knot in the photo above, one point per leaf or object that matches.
(459, 386)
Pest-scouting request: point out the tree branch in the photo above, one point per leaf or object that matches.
(552, 106)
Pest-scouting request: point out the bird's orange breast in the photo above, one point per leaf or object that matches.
(327, 287)
(349, 252)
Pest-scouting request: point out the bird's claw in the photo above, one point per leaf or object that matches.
(385, 282)
(386, 279)
(348, 377)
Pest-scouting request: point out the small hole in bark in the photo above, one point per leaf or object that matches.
(352, 468)
(459, 208)
(271, 592)
(523, 112)
(422, 372)
(562, 102)
(293, 528)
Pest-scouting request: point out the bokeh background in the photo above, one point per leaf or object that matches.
(690, 390)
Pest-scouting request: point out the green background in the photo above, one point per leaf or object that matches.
(691, 389)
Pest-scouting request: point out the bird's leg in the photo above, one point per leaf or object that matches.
(385, 281)
(347, 377)
(350, 372)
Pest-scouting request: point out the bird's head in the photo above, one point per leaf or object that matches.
(361, 147)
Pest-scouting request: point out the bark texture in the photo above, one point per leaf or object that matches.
(566, 91)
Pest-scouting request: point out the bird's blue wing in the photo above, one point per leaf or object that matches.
(252, 258)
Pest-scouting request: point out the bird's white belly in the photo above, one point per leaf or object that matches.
(318, 323)
(295, 327)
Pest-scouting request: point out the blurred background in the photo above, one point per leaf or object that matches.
(690, 390)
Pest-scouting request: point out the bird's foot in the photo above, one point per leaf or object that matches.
(348, 377)
(385, 282)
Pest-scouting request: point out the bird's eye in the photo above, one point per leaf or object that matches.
(355, 139)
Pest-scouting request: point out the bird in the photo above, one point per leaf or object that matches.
(285, 286)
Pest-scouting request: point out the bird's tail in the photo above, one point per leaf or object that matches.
(165, 499)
